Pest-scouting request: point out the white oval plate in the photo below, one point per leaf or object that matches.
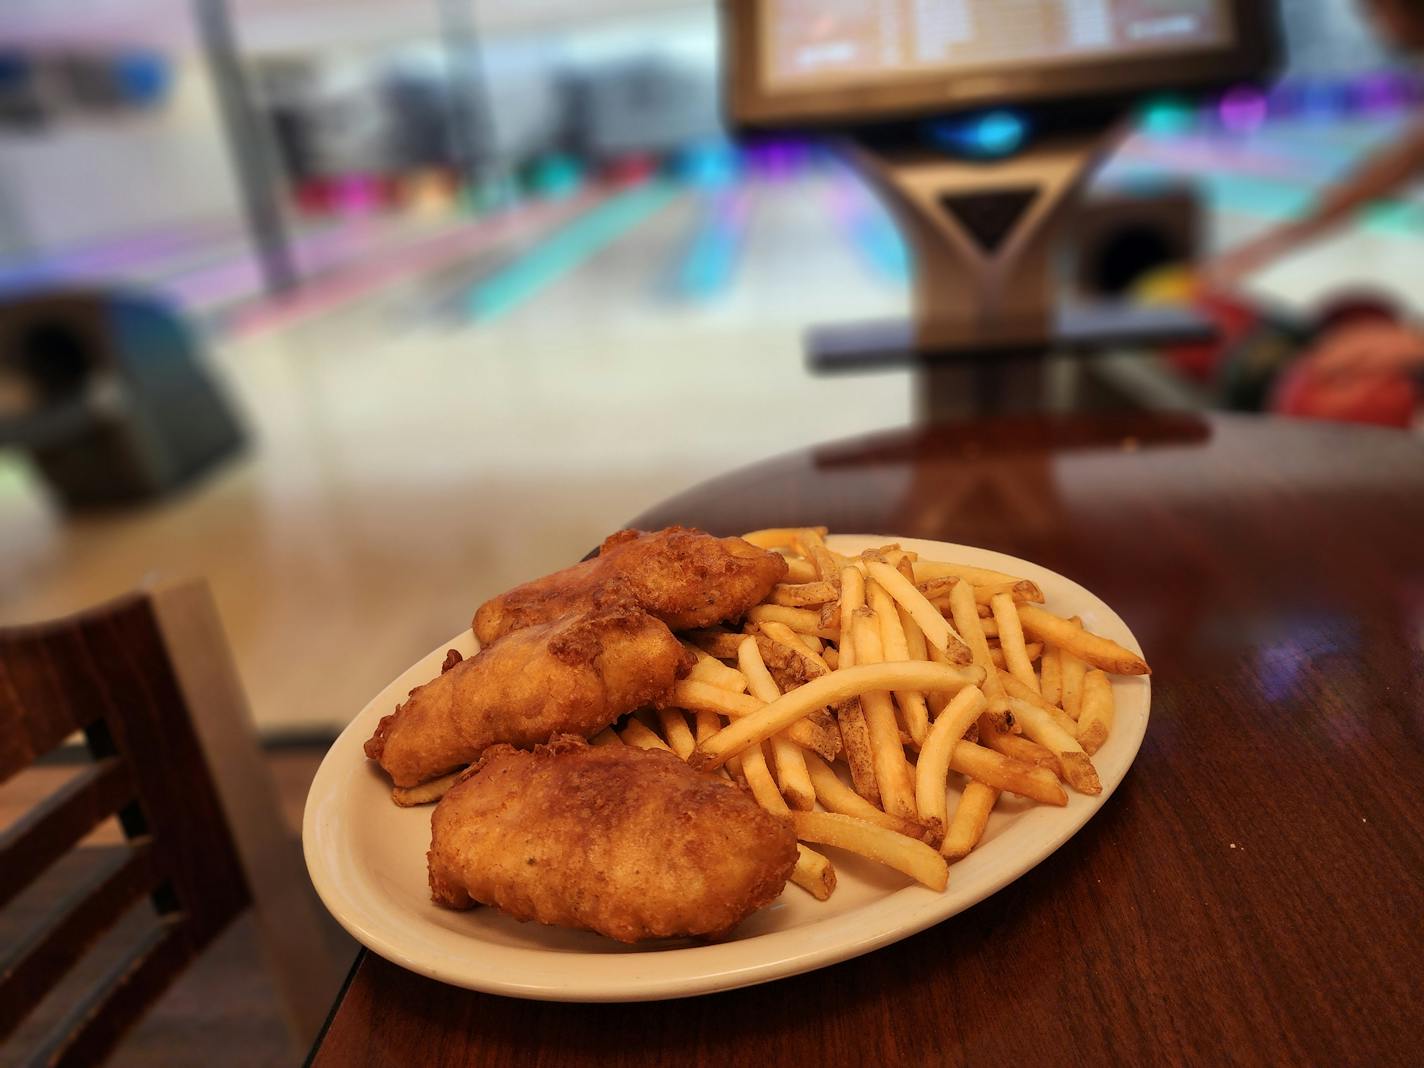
(367, 860)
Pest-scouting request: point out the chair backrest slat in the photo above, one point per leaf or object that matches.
(90, 1031)
(37, 713)
(150, 684)
(109, 673)
(54, 826)
(78, 922)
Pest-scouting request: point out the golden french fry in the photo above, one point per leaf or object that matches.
(799, 595)
(1017, 746)
(799, 569)
(817, 734)
(1050, 677)
(1014, 688)
(810, 643)
(836, 796)
(972, 630)
(919, 650)
(906, 566)
(703, 697)
(1099, 651)
(812, 543)
(791, 772)
(426, 792)
(895, 648)
(705, 724)
(784, 655)
(712, 671)
(786, 755)
(932, 769)
(892, 770)
(607, 736)
(936, 628)
(760, 782)
(892, 636)
(715, 641)
(674, 725)
(925, 570)
(1096, 719)
(814, 873)
(1072, 671)
(852, 598)
(818, 693)
(935, 590)
(801, 620)
(886, 554)
(831, 658)
(1017, 591)
(855, 742)
(897, 851)
(996, 654)
(916, 642)
(1075, 766)
(1011, 640)
(1005, 773)
(778, 537)
(970, 818)
(636, 733)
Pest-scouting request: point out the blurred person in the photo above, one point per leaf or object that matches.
(1402, 22)
(1369, 349)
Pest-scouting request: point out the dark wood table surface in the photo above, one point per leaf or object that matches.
(1252, 892)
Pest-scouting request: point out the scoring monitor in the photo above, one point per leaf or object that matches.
(811, 62)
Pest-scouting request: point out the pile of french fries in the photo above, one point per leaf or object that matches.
(898, 672)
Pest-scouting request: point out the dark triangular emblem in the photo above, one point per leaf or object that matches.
(990, 217)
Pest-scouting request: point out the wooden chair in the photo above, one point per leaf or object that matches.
(150, 684)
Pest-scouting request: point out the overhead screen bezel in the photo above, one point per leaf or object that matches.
(752, 104)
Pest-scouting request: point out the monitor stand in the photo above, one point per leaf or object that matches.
(983, 237)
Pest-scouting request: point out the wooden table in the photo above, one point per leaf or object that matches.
(1252, 891)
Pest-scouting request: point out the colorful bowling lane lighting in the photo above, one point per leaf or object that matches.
(1380, 93)
(1167, 117)
(143, 78)
(1323, 100)
(555, 176)
(708, 165)
(777, 159)
(356, 195)
(1243, 110)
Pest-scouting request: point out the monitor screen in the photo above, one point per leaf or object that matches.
(811, 44)
(856, 60)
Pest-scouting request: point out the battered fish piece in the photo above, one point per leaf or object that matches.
(631, 843)
(684, 577)
(574, 675)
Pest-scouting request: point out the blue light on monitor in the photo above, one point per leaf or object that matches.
(990, 135)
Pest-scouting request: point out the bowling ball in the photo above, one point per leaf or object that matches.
(1173, 284)
(1389, 400)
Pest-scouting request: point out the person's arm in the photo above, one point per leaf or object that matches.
(1380, 176)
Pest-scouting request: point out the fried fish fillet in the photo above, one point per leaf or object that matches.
(577, 675)
(684, 577)
(628, 842)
